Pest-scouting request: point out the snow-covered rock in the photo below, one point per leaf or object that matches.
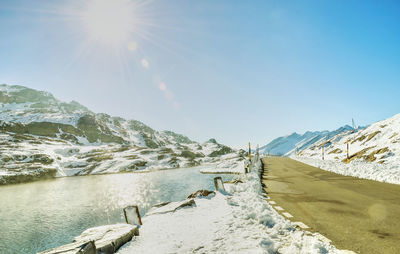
(171, 207)
(107, 239)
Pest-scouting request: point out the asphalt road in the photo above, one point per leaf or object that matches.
(356, 214)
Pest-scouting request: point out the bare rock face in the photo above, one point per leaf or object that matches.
(201, 193)
(106, 239)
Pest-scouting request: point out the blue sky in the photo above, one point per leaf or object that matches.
(238, 71)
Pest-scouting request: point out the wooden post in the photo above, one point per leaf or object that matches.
(323, 152)
(249, 152)
(132, 215)
(219, 184)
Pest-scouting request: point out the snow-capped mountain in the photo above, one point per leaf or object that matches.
(378, 143)
(41, 136)
(288, 145)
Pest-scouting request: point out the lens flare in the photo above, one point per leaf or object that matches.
(132, 46)
(162, 86)
(145, 63)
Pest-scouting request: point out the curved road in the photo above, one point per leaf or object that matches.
(356, 214)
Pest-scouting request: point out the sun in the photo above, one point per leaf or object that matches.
(109, 21)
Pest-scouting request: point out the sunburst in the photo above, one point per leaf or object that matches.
(109, 21)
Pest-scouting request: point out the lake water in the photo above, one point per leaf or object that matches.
(42, 215)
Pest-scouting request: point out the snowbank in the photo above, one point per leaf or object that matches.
(228, 164)
(389, 173)
(240, 221)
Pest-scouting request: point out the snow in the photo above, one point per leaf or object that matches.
(240, 221)
(287, 145)
(374, 152)
(209, 147)
(388, 173)
(22, 113)
(76, 159)
(380, 135)
(105, 234)
(226, 164)
(105, 238)
(93, 157)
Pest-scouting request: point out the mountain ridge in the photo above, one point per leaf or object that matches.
(41, 136)
(287, 145)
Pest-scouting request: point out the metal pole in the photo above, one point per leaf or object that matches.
(348, 158)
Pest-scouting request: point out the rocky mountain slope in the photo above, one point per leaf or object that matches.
(377, 143)
(287, 145)
(42, 137)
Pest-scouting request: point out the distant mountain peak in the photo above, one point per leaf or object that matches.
(212, 140)
(287, 145)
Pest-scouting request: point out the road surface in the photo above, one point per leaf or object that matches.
(356, 214)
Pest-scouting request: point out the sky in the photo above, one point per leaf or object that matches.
(237, 71)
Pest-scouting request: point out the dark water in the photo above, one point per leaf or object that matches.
(41, 215)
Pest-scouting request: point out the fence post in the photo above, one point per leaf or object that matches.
(132, 215)
(219, 184)
(249, 152)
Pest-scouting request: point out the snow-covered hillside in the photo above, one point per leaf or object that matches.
(41, 137)
(378, 143)
(374, 152)
(287, 145)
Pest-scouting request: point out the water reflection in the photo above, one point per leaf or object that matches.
(41, 215)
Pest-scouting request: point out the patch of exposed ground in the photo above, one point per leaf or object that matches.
(372, 135)
(371, 157)
(361, 138)
(337, 150)
(359, 154)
